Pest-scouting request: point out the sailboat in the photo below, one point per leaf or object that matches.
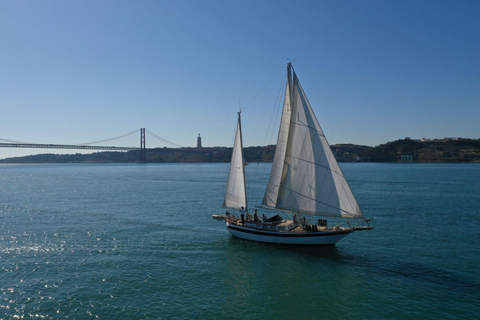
(305, 180)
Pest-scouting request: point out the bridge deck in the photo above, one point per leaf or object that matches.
(65, 146)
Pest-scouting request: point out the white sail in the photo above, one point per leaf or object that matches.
(311, 180)
(271, 193)
(235, 194)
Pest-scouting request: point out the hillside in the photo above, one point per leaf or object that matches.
(160, 155)
(403, 150)
(444, 150)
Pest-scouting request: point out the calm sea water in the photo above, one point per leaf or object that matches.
(108, 241)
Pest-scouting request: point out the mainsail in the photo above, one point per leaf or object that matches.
(305, 176)
(235, 194)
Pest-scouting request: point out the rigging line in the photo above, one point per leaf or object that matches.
(274, 209)
(352, 215)
(164, 140)
(124, 135)
(316, 164)
(277, 109)
(261, 90)
(321, 134)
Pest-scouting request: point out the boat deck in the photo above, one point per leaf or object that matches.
(288, 226)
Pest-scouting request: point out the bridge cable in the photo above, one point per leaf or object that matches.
(164, 140)
(13, 141)
(122, 136)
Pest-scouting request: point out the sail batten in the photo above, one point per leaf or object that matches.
(305, 176)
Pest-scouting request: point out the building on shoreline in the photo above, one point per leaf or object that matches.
(199, 141)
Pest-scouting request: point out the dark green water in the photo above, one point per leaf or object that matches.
(104, 241)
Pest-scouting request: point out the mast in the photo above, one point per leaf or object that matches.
(244, 191)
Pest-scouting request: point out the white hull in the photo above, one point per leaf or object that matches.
(288, 237)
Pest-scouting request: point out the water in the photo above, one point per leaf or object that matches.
(109, 241)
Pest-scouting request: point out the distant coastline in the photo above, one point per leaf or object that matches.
(447, 150)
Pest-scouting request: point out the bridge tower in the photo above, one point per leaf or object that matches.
(143, 149)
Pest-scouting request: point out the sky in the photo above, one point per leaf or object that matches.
(74, 72)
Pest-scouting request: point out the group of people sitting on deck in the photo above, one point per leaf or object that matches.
(245, 216)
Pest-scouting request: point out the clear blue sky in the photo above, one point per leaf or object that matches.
(374, 71)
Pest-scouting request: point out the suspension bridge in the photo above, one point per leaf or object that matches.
(96, 144)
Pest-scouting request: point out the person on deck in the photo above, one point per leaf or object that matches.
(242, 214)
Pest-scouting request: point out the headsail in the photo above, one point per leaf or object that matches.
(271, 193)
(235, 194)
(311, 181)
